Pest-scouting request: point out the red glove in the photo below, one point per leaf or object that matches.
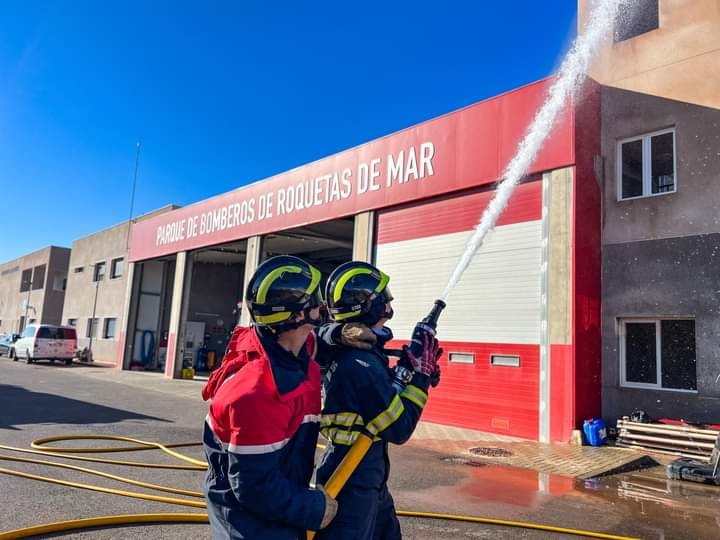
(425, 362)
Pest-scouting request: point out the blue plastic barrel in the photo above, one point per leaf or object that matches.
(595, 431)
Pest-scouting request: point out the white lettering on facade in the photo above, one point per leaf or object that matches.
(346, 190)
(374, 174)
(402, 166)
(394, 167)
(427, 152)
(362, 181)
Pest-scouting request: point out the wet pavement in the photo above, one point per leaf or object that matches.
(42, 400)
(642, 504)
(560, 459)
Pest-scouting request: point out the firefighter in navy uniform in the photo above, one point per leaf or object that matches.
(262, 427)
(362, 395)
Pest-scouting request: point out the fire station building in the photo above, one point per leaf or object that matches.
(521, 332)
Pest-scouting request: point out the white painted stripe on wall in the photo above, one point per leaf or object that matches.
(498, 298)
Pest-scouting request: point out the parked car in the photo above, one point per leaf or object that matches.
(46, 342)
(7, 344)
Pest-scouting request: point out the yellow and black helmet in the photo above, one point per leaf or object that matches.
(281, 287)
(358, 291)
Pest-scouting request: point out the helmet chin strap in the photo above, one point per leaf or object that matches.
(384, 334)
(376, 313)
(306, 319)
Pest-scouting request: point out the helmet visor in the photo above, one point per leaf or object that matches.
(315, 299)
(385, 295)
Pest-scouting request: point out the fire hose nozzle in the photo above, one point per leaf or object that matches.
(432, 317)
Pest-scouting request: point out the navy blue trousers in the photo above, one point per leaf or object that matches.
(363, 514)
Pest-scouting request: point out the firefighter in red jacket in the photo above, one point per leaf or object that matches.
(262, 428)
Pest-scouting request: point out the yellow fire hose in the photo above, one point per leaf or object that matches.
(333, 487)
(344, 471)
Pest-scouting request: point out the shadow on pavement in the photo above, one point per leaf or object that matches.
(102, 365)
(19, 406)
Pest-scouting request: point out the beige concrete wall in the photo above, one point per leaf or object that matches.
(363, 240)
(45, 304)
(105, 246)
(125, 343)
(252, 261)
(680, 60)
(560, 256)
(113, 294)
(176, 345)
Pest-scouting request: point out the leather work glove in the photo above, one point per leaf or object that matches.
(435, 376)
(357, 336)
(427, 361)
(331, 507)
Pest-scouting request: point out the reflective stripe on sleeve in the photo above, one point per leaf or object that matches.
(345, 419)
(386, 418)
(415, 394)
(340, 436)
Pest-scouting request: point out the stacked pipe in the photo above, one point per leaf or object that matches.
(683, 441)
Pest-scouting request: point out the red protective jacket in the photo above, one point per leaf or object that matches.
(259, 439)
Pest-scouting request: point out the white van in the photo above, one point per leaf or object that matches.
(46, 342)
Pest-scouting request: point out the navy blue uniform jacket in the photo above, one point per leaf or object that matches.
(360, 397)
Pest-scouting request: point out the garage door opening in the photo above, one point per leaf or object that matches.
(150, 315)
(216, 278)
(214, 287)
(325, 245)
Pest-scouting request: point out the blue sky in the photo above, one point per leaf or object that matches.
(225, 93)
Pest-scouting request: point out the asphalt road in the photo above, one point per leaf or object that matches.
(44, 400)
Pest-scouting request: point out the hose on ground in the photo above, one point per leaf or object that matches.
(40, 447)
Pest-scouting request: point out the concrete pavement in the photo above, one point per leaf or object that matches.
(42, 400)
(566, 460)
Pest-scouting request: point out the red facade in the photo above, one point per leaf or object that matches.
(469, 148)
(507, 401)
(458, 157)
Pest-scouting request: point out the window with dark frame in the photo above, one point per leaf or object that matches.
(636, 18)
(632, 169)
(461, 358)
(110, 326)
(116, 268)
(26, 280)
(646, 165)
(38, 279)
(658, 353)
(91, 331)
(59, 282)
(99, 272)
(505, 360)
